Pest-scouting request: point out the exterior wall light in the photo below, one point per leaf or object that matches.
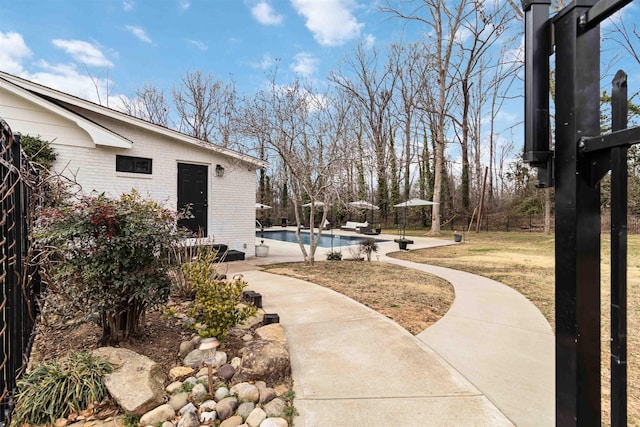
(219, 171)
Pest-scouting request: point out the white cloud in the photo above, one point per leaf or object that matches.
(198, 44)
(264, 14)
(66, 78)
(184, 5)
(62, 77)
(515, 54)
(266, 62)
(462, 35)
(305, 64)
(369, 41)
(127, 5)
(330, 21)
(139, 33)
(13, 50)
(83, 52)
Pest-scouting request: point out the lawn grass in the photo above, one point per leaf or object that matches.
(525, 262)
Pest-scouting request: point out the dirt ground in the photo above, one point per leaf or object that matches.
(160, 340)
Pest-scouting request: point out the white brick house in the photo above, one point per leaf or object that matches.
(112, 152)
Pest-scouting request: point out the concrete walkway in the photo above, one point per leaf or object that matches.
(487, 362)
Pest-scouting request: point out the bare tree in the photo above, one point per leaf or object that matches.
(149, 104)
(479, 32)
(411, 68)
(206, 108)
(306, 131)
(444, 20)
(371, 84)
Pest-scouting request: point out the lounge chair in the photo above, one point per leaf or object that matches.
(363, 228)
(355, 226)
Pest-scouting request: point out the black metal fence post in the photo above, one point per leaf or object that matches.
(619, 201)
(20, 281)
(582, 158)
(577, 212)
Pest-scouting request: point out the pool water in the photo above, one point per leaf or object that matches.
(325, 239)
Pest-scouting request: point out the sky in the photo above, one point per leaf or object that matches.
(120, 45)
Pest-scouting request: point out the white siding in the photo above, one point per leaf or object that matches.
(231, 198)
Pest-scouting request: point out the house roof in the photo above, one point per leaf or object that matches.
(99, 134)
(54, 101)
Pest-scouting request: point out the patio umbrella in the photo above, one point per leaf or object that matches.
(362, 204)
(410, 203)
(414, 202)
(316, 204)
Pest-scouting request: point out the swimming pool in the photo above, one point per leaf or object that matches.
(325, 239)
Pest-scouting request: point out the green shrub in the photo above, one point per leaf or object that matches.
(217, 307)
(54, 390)
(38, 150)
(334, 256)
(110, 258)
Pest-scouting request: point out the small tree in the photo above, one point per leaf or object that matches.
(368, 246)
(110, 258)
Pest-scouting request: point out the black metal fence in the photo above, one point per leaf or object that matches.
(20, 282)
(582, 156)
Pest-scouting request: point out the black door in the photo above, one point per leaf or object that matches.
(192, 191)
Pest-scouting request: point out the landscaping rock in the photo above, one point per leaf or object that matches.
(245, 409)
(178, 401)
(179, 373)
(208, 405)
(272, 332)
(164, 424)
(245, 392)
(174, 386)
(221, 393)
(208, 417)
(186, 347)
(281, 389)
(137, 385)
(190, 419)
(251, 321)
(226, 407)
(256, 417)
(275, 407)
(266, 360)
(234, 421)
(193, 359)
(274, 422)
(189, 407)
(158, 415)
(236, 362)
(267, 394)
(199, 393)
(226, 372)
